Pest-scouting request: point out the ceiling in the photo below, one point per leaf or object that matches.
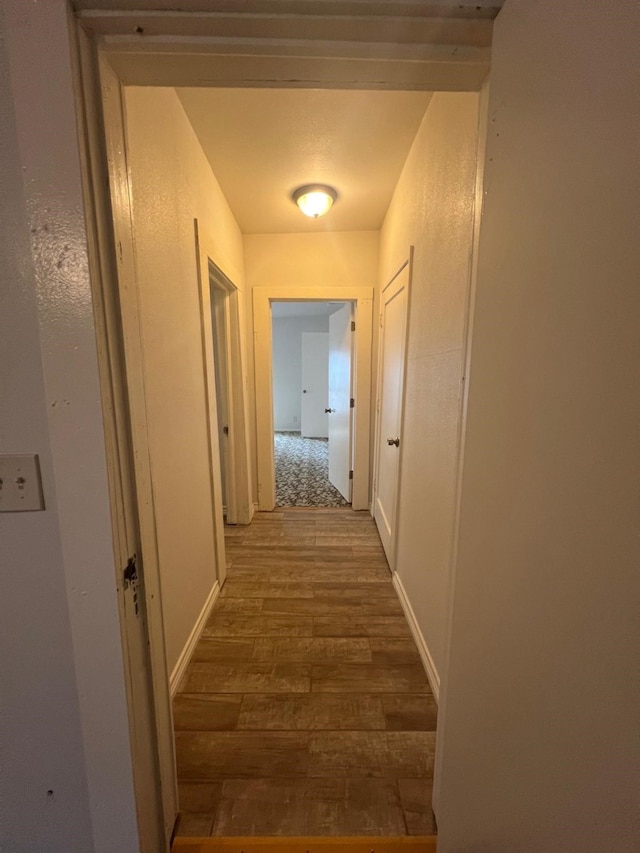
(263, 143)
(304, 309)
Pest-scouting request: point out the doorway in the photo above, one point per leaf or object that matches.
(312, 393)
(223, 370)
(348, 434)
(361, 441)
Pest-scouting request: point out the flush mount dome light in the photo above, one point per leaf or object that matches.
(314, 200)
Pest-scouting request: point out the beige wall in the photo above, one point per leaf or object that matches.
(327, 258)
(432, 209)
(172, 184)
(539, 744)
(63, 694)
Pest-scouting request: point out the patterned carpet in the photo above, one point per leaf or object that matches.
(302, 472)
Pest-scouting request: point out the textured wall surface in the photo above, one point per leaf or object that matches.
(172, 184)
(62, 677)
(432, 209)
(539, 745)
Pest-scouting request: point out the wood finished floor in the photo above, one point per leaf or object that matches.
(305, 710)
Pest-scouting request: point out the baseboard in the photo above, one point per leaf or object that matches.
(183, 661)
(425, 655)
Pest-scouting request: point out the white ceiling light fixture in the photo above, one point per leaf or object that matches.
(314, 200)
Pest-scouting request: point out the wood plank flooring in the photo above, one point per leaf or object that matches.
(422, 844)
(305, 710)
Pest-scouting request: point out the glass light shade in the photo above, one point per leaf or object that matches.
(314, 200)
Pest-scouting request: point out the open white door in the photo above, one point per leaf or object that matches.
(315, 385)
(393, 310)
(340, 400)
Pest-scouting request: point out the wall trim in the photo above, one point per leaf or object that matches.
(189, 648)
(425, 654)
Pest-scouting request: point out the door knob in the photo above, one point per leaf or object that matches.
(328, 411)
(395, 441)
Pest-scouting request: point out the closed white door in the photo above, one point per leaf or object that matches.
(219, 324)
(390, 384)
(339, 401)
(315, 385)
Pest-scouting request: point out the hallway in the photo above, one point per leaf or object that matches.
(305, 709)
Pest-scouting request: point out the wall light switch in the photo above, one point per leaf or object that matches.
(20, 483)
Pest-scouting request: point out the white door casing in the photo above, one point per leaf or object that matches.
(224, 376)
(339, 400)
(389, 405)
(315, 385)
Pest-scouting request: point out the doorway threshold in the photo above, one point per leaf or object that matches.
(361, 844)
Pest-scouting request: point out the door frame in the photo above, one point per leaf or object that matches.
(379, 370)
(239, 498)
(118, 341)
(362, 299)
(183, 53)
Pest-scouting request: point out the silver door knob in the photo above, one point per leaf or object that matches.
(395, 441)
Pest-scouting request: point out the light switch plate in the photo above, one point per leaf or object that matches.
(20, 483)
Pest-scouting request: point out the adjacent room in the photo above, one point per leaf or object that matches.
(311, 403)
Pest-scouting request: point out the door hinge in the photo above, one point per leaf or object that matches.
(353, 325)
(352, 403)
(381, 321)
(225, 430)
(351, 475)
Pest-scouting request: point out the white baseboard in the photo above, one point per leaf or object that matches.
(425, 655)
(181, 666)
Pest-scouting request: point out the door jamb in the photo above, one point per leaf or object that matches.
(122, 388)
(362, 298)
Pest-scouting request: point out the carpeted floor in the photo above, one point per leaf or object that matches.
(302, 472)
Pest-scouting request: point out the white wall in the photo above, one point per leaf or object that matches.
(540, 736)
(327, 258)
(62, 678)
(287, 367)
(314, 421)
(172, 184)
(432, 208)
